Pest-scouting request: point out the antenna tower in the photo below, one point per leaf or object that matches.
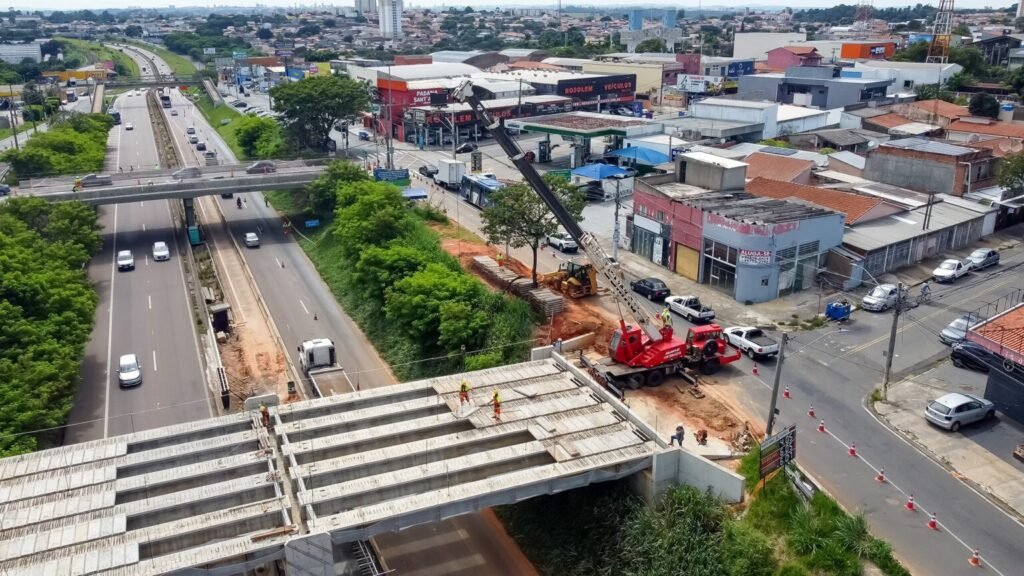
(865, 9)
(938, 51)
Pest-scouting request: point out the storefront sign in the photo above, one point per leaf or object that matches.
(647, 224)
(755, 257)
(696, 84)
(751, 229)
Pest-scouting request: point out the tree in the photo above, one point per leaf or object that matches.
(258, 137)
(970, 58)
(436, 304)
(322, 194)
(518, 216)
(959, 80)
(377, 216)
(265, 34)
(1015, 79)
(651, 45)
(309, 108)
(307, 30)
(916, 52)
(984, 104)
(680, 14)
(1011, 174)
(133, 30)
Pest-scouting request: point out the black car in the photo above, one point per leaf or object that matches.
(592, 190)
(4, 189)
(241, 104)
(971, 356)
(466, 147)
(200, 146)
(428, 170)
(650, 288)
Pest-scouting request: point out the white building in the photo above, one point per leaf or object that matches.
(907, 75)
(390, 12)
(757, 44)
(366, 6)
(15, 53)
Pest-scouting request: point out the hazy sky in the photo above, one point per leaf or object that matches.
(100, 4)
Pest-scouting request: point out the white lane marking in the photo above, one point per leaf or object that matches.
(150, 298)
(147, 259)
(278, 261)
(110, 333)
(154, 360)
(304, 309)
(143, 227)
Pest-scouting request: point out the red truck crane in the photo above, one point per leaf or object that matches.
(642, 353)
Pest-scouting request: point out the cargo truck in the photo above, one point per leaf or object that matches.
(449, 173)
(319, 361)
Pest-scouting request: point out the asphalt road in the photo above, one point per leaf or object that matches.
(144, 311)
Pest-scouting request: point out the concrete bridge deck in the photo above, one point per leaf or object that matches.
(333, 470)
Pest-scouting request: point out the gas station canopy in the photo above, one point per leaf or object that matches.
(587, 125)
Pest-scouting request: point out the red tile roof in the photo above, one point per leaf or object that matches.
(1006, 332)
(1000, 147)
(801, 50)
(992, 128)
(941, 108)
(853, 205)
(890, 120)
(776, 167)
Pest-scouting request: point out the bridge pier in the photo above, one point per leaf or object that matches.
(312, 555)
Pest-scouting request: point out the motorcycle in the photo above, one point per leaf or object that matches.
(238, 202)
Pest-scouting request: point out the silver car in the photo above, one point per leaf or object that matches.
(881, 298)
(129, 371)
(161, 252)
(983, 258)
(125, 260)
(956, 409)
(956, 331)
(252, 240)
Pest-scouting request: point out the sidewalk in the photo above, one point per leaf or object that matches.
(998, 477)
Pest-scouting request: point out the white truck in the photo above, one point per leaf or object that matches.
(450, 173)
(319, 361)
(752, 341)
(691, 308)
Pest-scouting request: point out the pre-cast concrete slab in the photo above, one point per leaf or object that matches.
(228, 493)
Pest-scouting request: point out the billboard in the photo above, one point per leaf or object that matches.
(591, 88)
(295, 73)
(239, 55)
(698, 84)
(778, 451)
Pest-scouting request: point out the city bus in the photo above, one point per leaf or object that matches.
(477, 188)
(116, 115)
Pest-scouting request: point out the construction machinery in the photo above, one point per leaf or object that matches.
(573, 279)
(642, 353)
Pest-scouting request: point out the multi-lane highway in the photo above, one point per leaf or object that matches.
(145, 311)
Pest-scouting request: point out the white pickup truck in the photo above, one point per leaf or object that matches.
(691, 308)
(752, 341)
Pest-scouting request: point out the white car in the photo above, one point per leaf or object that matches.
(951, 270)
(129, 126)
(881, 298)
(161, 252)
(125, 260)
(563, 242)
(252, 240)
(129, 371)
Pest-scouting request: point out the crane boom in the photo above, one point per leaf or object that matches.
(598, 258)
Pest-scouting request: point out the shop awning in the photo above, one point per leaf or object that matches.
(598, 171)
(641, 155)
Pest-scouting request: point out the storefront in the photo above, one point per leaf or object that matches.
(651, 239)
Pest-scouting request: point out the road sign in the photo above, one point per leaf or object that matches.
(312, 223)
(778, 451)
(382, 175)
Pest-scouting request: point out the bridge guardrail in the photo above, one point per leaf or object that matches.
(183, 188)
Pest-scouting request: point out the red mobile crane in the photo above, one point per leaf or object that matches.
(642, 353)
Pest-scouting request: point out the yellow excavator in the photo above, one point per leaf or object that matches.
(572, 279)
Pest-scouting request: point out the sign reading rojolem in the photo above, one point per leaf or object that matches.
(755, 257)
(778, 451)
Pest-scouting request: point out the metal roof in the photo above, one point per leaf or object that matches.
(768, 211)
(426, 71)
(929, 146)
(846, 157)
(586, 125)
(886, 231)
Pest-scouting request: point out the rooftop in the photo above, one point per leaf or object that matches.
(847, 157)
(890, 120)
(767, 211)
(426, 71)
(854, 206)
(941, 108)
(705, 158)
(1003, 334)
(776, 167)
(587, 124)
(928, 146)
(850, 136)
(992, 127)
(894, 229)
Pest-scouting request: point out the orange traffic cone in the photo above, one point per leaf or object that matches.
(853, 450)
(975, 560)
(785, 393)
(880, 477)
(810, 411)
(910, 504)
(755, 372)
(933, 524)
(821, 426)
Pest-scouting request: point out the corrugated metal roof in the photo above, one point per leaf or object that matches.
(426, 71)
(930, 146)
(850, 158)
(882, 232)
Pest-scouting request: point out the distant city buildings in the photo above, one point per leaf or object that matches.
(390, 12)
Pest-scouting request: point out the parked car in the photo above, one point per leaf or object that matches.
(240, 104)
(752, 341)
(4, 189)
(129, 126)
(971, 356)
(650, 288)
(881, 298)
(563, 242)
(957, 409)
(951, 270)
(161, 252)
(125, 260)
(428, 170)
(983, 258)
(200, 146)
(691, 308)
(252, 240)
(261, 167)
(129, 370)
(956, 331)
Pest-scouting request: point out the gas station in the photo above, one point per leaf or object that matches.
(579, 129)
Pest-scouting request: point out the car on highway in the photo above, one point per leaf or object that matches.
(951, 270)
(261, 167)
(4, 189)
(957, 409)
(463, 148)
(174, 112)
(200, 146)
(96, 180)
(129, 126)
(129, 370)
(881, 298)
(563, 242)
(252, 240)
(240, 104)
(125, 260)
(193, 139)
(190, 130)
(650, 288)
(956, 331)
(972, 356)
(983, 258)
(187, 172)
(428, 170)
(161, 252)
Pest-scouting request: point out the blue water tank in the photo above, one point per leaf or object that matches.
(1007, 107)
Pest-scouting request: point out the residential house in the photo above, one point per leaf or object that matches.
(778, 167)
(931, 166)
(793, 55)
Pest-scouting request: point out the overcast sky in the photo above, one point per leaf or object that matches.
(100, 4)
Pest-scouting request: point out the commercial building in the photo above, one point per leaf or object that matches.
(16, 53)
(650, 78)
(931, 166)
(747, 120)
(785, 57)
(588, 91)
(431, 124)
(725, 67)
(816, 86)
(905, 76)
(757, 44)
(868, 50)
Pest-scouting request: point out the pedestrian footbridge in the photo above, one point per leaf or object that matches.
(228, 494)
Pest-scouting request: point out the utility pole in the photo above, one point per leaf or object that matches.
(775, 385)
(900, 301)
(615, 229)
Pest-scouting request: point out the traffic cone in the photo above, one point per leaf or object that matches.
(785, 393)
(821, 426)
(975, 559)
(755, 371)
(853, 450)
(880, 477)
(933, 524)
(910, 504)
(810, 411)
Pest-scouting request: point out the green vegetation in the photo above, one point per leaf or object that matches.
(309, 108)
(385, 265)
(91, 52)
(1011, 174)
(209, 34)
(983, 104)
(46, 314)
(180, 66)
(73, 144)
(216, 116)
(259, 137)
(776, 143)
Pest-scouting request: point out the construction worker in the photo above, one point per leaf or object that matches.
(78, 184)
(679, 436)
(265, 415)
(666, 317)
(463, 392)
(496, 401)
(501, 259)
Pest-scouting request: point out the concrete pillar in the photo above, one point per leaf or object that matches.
(190, 211)
(312, 555)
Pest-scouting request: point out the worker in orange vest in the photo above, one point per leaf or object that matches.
(501, 259)
(496, 401)
(463, 392)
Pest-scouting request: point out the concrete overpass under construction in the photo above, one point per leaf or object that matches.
(227, 494)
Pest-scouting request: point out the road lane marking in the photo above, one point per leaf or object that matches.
(279, 266)
(150, 297)
(147, 259)
(143, 227)
(110, 333)
(154, 360)
(304, 309)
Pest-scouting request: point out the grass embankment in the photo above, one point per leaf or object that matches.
(8, 132)
(216, 116)
(74, 144)
(605, 529)
(180, 66)
(91, 52)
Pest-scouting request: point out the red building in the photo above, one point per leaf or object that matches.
(786, 56)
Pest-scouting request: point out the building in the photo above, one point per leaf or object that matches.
(905, 75)
(650, 78)
(636, 18)
(996, 50)
(588, 91)
(969, 128)
(783, 168)
(931, 166)
(868, 50)
(700, 223)
(480, 59)
(746, 120)
(366, 6)
(787, 56)
(729, 68)
(816, 86)
(757, 44)
(840, 139)
(1003, 335)
(16, 53)
(934, 111)
(390, 19)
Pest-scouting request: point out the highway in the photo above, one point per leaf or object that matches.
(144, 311)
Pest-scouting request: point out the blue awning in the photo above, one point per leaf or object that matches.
(641, 155)
(598, 171)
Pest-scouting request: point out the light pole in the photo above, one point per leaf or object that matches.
(778, 375)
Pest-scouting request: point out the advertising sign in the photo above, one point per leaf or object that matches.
(755, 257)
(295, 73)
(239, 55)
(699, 84)
(592, 88)
(778, 451)
(382, 175)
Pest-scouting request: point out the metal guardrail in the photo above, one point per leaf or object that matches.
(168, 173)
